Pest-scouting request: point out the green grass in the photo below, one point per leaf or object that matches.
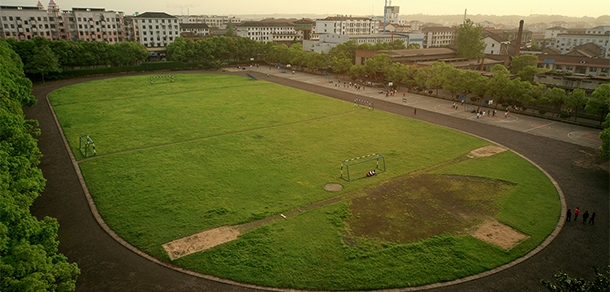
(233, 150)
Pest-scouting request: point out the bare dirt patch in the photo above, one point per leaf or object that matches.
(499, 234)
(409, 209)
(333, 187)
(485, 151)
(200, 241)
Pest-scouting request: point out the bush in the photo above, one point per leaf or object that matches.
(542, 111)
(430, 91)
(564, 115)
(473, 98)
(505, 104)
(524, 108)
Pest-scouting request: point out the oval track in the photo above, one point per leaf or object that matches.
(108, 266)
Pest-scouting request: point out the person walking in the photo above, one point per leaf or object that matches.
(576, 212)
(585, 216)
(592, 219)
(569, 217)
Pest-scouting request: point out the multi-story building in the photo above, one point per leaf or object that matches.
(268, 31)
(194, 29)
(436, 37)
(329, 41)
(97, 24)
(91, 24)
(599, 35)
(347, 25)
(210, 20)
(576, 65)
(155, 29)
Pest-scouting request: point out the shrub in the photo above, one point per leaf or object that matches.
(505, 104)
(542, 111)
(473, 98)
(564, 115)
(524, 108)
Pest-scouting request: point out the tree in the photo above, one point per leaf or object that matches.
(454, 80)
(599, 103)
(566, 283)
(528, 73)
(28, 247)
(377, 64)
(520, 62)
(469, 43)
(576, 99)
(43, 61)
(557, 96)
(496, 87)
(438, 73)
(229, 32)
(414, 46)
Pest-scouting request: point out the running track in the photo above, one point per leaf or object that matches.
(108, 266)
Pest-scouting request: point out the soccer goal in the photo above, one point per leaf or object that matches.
(86, 146)
(358, 102)
(170, 77)
(363, 166)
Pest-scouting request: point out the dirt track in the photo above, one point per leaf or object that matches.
(108, 266)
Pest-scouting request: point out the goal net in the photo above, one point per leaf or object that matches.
(363, 166)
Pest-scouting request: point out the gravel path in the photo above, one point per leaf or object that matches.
(106, 265)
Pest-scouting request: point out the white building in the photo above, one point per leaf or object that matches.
(599, 35)
(435, 37)
(552, 32)
(495, 45)
(347, 26)
(195, 29)
(264, 31)
(210, 20)
(156, 29)
(329, 41)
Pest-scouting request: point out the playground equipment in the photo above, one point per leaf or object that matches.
(84, 144)
(248, 74)
(358, 165)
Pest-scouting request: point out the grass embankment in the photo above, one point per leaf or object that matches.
(246, 150)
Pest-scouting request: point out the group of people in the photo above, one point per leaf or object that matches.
(585, 216)
(357, 86)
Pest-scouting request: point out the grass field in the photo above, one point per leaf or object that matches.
(206, 151)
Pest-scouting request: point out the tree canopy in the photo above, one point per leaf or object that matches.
(469, 43)
(28, 247)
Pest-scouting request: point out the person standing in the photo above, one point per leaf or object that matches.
(592, 219)
(569, 217)
(576, 212)
(585, 216)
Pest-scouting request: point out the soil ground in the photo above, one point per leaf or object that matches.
(106, 265)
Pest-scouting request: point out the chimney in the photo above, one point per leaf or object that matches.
(519, 38)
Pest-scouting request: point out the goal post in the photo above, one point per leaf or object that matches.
(86, 145)
(363, 166)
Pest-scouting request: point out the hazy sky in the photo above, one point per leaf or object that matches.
(580, 8)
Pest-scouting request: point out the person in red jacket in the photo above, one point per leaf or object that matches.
(576, 212)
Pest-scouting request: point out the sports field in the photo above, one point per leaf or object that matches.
(175, 159)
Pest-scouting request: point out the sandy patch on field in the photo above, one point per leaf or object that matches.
(485, 151)
(200, 241)
(333, 187)
(499, 234)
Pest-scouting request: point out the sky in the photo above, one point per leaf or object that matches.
(593, 8)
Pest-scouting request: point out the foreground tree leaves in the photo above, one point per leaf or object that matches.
(28, 247)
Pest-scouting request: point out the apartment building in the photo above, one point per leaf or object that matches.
(599, 35)
(436, 37)
(155, 29)
(194, 29)
(268, 31)
(90, 24)
(347, 25)
(212, 21)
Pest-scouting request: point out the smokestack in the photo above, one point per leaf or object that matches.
(517, 53)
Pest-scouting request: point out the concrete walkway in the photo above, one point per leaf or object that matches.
(566, 132)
